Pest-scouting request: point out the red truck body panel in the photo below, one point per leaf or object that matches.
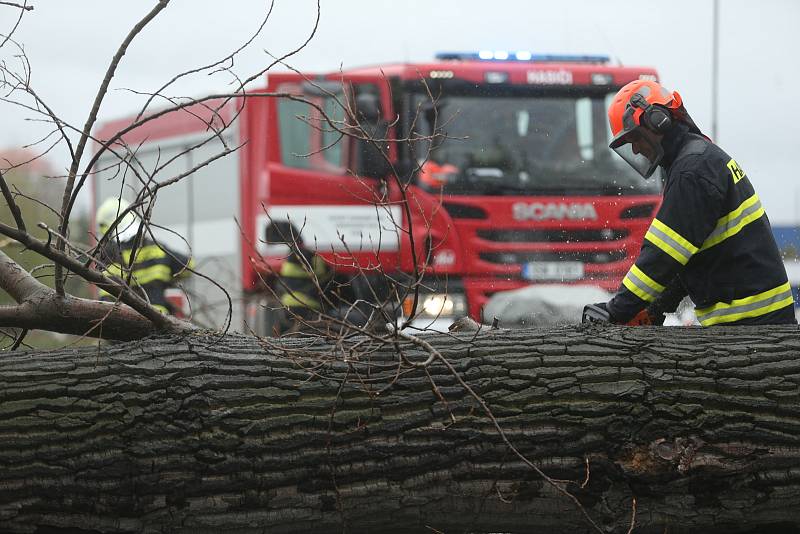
(486, 242)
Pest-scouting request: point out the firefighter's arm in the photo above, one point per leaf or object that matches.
(688, 214)
(667, 302)
(321, 269)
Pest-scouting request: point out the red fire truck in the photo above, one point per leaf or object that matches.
(518, 188)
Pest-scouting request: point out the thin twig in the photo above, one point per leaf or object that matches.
(90, 120)
(586, 480)
(19, 340)
(633, 516)
(26, 7)
(22, 9)
(229, 57)
(12, 205)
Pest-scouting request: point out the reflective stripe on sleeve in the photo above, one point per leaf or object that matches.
(731, 224)
(114, 270)
(298, 299)
(670, 241)
(642, 285)
(289, 269)
(754, 306)
(148, 252)
(154, 273)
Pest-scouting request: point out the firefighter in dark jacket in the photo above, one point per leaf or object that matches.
(152, 268)
(710, 239)
(303, 278)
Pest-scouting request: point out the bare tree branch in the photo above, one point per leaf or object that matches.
(40, 308)
(229, 57)
(22, 9)
(107, 144)
(25, 84)
(117, 289)
(19, 340)
(18, 282)
(65, 205)
(25, 6)
(12, 205)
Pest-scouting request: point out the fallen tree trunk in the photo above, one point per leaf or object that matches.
(699, 428)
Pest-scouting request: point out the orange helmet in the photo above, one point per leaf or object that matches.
(639, 110)
(434, 175)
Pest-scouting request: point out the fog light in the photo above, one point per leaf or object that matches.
(438, 305)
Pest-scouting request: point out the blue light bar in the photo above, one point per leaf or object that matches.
(519, 55)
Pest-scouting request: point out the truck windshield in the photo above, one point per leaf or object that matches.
(521, 143)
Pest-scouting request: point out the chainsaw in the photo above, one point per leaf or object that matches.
(652, 315)
(598, 314)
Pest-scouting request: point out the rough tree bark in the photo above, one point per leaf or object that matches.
(202, 434)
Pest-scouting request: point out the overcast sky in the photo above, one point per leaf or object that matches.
(69, 44)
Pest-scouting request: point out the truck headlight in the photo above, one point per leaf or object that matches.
(438, 305)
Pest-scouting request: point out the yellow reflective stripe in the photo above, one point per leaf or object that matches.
(114, 270)
(731, 224)
(290, 269)
(637, 291)
(149, 252)
(297, 299)
(738, 211)
(642, 285)
(647, 280)
(753, 306)
(670, 241)
(154, 273)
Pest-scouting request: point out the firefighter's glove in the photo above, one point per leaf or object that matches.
(596, 313)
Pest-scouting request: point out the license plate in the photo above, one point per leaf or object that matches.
(553, 270)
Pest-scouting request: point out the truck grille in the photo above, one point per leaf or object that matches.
(590, 256)
(552, 236)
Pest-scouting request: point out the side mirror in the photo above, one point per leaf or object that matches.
(371, 162)
(405, 170)
(368, 107)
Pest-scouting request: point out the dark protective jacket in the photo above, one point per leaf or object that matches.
(302, 275)
(711, 238)
(155, 268)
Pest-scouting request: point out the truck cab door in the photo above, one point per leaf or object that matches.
(322, 178)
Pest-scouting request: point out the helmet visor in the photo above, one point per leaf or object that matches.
(640, 151)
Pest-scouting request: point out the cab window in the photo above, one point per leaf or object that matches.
(307, 140)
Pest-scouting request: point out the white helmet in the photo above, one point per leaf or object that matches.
(109, 211)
